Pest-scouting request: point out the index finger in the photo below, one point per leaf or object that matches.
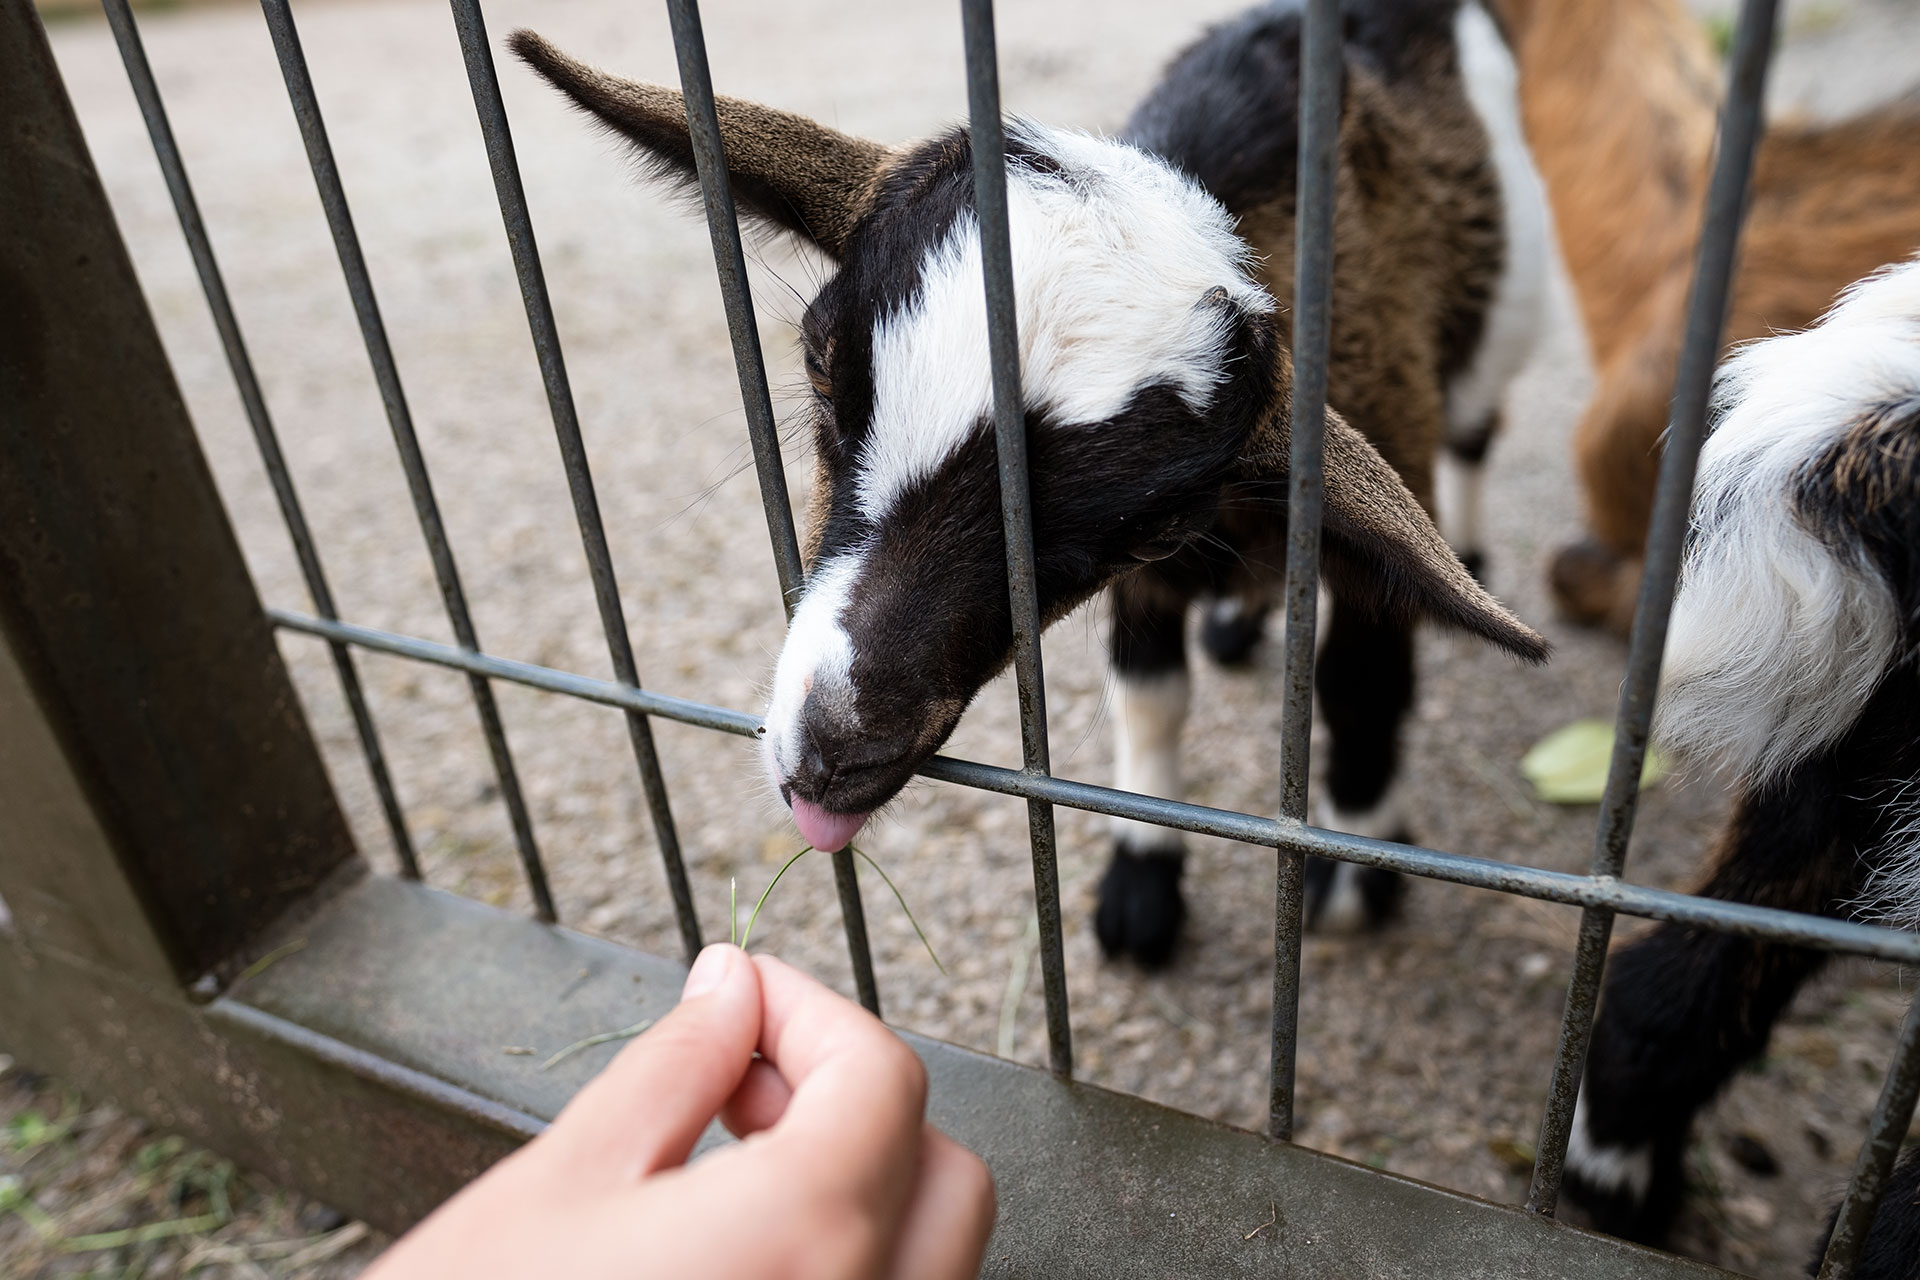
(858, 1090)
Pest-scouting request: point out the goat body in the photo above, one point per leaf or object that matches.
(1791, 664)
(1157, 384)
(1619, 99)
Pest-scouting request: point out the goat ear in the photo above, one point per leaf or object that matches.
(785, 169)
(1384, 553)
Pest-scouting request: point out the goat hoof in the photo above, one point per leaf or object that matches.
(1141, 910)
(1230, 629)
(1345, 898)
(1594, 586)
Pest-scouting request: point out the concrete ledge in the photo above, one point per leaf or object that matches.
(1092, 1183)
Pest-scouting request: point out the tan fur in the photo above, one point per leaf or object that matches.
(1619, 98)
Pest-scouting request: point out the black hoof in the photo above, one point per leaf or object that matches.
(1349, 899)
(1620, 1210)
(1230, 629)
(1476, 562)
(1141, 909)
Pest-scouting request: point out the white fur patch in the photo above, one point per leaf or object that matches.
(1892, 891)
(1611, 1169)
(1458, 485)
(1148, 716)
(1344, 909)
(1111, 260)
(1516, 315)
(1778, 640)
(817, 657)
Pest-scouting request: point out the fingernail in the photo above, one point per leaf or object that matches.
(710, 969)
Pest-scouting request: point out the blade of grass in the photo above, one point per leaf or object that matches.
(899, 898)
(142, 1235)
(605, 1037)
(769, 889)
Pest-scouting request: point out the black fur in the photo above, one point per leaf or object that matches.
(1141, 908)
(1892, 1250)
(1864, 492)
(1230, 635)
(1227, 110)
(1683, 1009)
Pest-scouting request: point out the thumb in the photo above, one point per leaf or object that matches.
(648, 1108)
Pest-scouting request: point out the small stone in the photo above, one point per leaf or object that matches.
(1752, 1155)
(318, 1219)
(1536, 966)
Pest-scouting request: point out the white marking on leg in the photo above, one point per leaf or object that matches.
(1514, 318)
(1148, 716)
(1610, 1169)
(817, 660)
(1458, 486)
(1344, 909)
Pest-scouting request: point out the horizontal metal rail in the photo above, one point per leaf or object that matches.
(1565, 887)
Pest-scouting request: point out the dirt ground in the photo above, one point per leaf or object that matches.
(1425, 1050)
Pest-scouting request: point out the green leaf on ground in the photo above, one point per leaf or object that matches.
(1569, 765)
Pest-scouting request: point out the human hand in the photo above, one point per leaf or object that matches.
(837, 1174)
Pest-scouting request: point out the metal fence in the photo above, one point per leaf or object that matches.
(1601, 893)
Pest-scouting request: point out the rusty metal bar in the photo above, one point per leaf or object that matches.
(1892, 1114)
(485, 82)
(1320, 68)
(1016, 508)
(1742, 121)
(729, 259)
(353, 265)
(127, 35)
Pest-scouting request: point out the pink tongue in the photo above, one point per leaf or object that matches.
(827, 832)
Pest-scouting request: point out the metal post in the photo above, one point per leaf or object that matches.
(1742, 121)
(346, 242)
(1320, 69)
(1016, 514)
(161, 799)
(729, 259)
(512, 197)
(1892, 1115)
(167, 151)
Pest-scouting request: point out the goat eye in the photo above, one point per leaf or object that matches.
(817, 377)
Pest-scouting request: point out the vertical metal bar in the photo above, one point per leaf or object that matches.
(1742, 120)
(512, 196)
(1016, 515)
(1892, 1114)
(1312, 334)
(333, 198)
(729, 259)
(167, 151)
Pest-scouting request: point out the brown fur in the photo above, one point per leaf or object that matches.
(784, 167)
(1619, 99)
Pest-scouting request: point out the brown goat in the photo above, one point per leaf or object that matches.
(1619, 98)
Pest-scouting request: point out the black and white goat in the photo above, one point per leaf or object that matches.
(1792, 663)
(1157, 379)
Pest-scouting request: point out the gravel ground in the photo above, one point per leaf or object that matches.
(1425, 1050)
